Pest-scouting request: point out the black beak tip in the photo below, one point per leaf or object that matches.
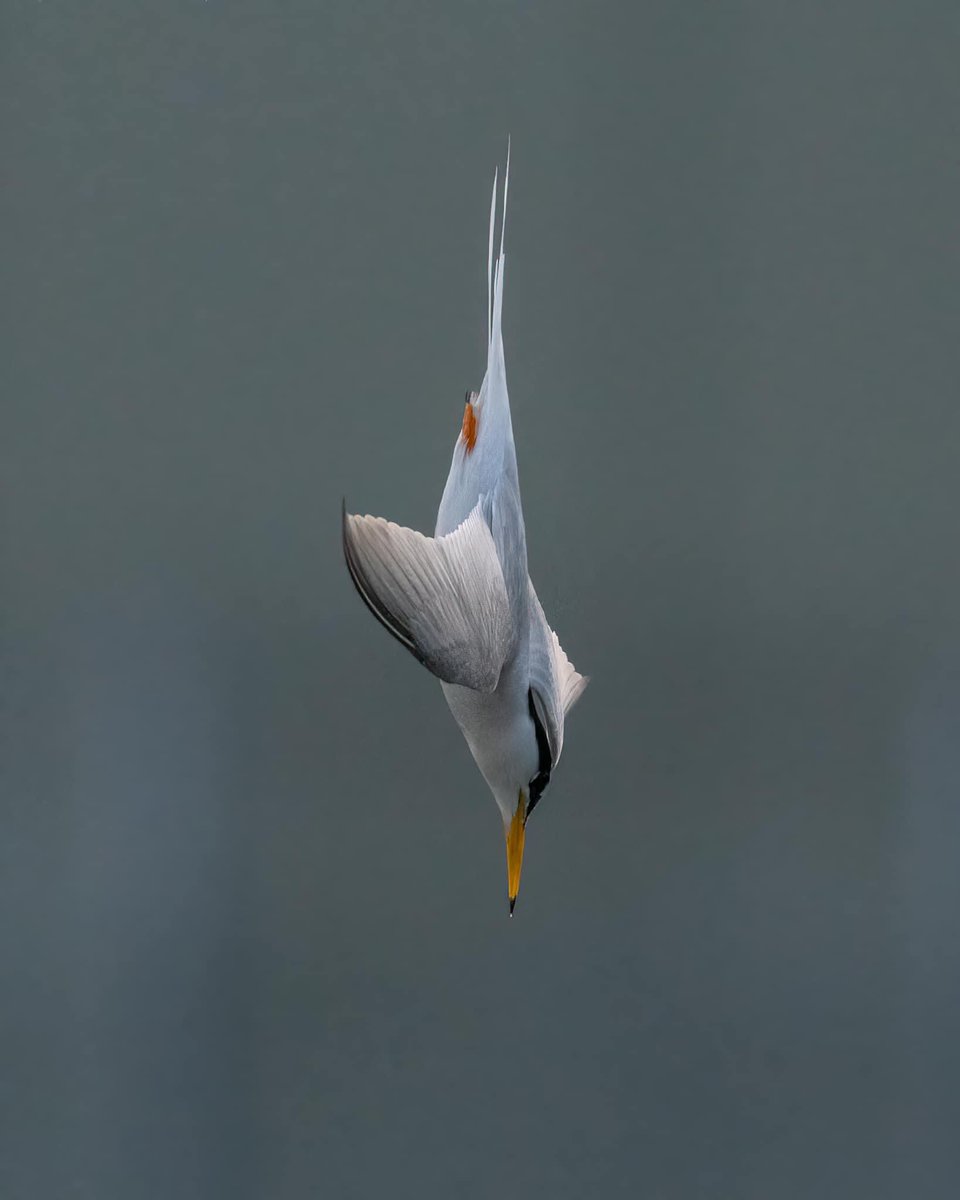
(512, 905)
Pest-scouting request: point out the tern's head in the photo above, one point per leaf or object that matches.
(517, 801)
(511, 748)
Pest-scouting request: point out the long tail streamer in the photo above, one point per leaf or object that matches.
(495, 267)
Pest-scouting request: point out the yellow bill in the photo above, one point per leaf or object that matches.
(515, 836)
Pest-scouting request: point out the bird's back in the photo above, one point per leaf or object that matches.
(484, 464)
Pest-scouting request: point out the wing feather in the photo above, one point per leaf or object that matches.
(443, 598)
(555, 684)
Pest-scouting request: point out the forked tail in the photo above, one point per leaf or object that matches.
(495, 271)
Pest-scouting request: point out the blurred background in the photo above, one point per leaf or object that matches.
(254, 926)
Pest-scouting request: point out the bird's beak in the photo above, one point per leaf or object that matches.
(515, 836)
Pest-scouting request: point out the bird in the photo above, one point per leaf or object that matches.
(462, 602)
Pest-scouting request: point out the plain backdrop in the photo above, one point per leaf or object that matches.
(254, 927)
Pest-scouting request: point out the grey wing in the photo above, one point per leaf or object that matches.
(555, 684)
(443, 598)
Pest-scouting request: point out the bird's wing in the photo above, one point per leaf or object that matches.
(444, 598)
(555, 684)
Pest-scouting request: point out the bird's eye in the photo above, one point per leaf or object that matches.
(537, 785)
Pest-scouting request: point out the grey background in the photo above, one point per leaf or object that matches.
(255, 939)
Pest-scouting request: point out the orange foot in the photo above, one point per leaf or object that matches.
(469, 427)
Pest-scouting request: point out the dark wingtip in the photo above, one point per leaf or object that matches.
(343, 534)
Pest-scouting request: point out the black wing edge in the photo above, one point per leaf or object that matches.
(369, 596)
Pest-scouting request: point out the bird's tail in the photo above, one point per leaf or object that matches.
(495, 267)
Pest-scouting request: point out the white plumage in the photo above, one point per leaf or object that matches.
(463, 603)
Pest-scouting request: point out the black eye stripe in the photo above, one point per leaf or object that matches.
(544, 763)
